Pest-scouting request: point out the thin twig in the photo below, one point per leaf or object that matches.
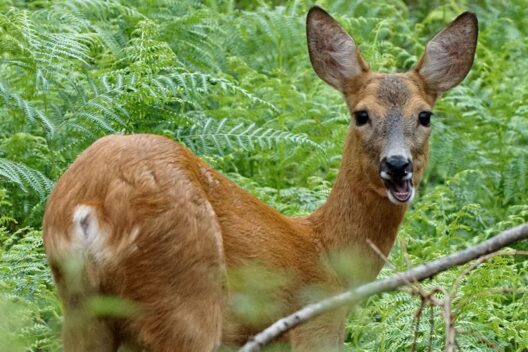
(418, 273)
(417, 317)
(431, 327)
(449, 318)
(416, 289)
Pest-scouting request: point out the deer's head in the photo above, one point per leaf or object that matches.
(391, 113)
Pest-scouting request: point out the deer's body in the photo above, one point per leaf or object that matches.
(150, 222)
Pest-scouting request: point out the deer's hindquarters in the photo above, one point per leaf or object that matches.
(119, 224)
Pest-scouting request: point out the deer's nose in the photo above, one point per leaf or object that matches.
(396, 167)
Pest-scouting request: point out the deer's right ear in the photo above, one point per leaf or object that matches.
(333, 53)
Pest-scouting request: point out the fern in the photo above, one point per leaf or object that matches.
(515, 178)
(220, 136)
(25, 288)
(47, 51)
(25, 177)
(200, 82)
(232, 80)
(12, 99)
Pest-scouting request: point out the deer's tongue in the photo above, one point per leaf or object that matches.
(401, 190)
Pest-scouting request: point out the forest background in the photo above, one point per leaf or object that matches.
(233, 82)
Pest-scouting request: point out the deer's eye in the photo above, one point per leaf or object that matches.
(425, 118)
(362, 117)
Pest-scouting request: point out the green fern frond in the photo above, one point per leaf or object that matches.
(515, 177)
(103, 9)
(193, 82)
(210, 134)
(46, 48)
(25, 177)
(12, 99)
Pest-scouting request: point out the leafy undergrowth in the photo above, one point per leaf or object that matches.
(232, 80)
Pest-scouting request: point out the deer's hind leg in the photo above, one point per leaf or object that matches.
(76, 275)
(322, 334)
(87, 334)
(177, 277)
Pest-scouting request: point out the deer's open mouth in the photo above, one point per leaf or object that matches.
(399, 191)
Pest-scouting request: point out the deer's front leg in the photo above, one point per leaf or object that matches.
(322, 334)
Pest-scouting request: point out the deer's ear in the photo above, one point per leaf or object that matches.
(449, 55)
(333, 53)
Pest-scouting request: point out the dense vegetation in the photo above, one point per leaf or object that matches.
(232, 80)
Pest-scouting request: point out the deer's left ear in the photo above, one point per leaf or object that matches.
(449, 55)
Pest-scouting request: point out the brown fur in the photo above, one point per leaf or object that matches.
(152, 223)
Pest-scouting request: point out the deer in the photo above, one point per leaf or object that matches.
(144, 219)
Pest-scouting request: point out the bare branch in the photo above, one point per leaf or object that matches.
(418, 273)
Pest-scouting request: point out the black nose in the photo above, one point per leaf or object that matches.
(396, 166)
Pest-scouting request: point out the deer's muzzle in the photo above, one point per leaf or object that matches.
(396, 172)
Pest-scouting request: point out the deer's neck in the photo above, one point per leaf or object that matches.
(355, 217)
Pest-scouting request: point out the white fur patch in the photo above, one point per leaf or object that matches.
(87, 236)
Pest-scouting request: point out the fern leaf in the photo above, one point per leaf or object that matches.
(25, 177)
(220, 135)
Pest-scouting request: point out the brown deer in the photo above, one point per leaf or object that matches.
(142, 218)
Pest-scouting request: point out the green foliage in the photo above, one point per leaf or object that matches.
(23, 175)
(232, 81)
(221, 136)
(29, 306)
(487, 304)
